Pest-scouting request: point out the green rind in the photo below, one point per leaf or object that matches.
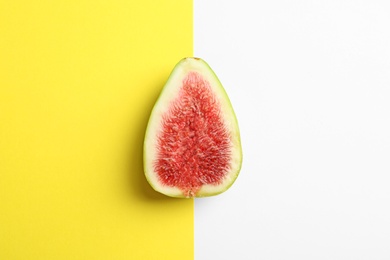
(202, 192)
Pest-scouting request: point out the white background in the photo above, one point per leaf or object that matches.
(310, 84)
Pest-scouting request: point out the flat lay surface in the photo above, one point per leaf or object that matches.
(310, 84)
(78, 80)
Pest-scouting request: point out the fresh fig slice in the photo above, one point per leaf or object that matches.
(192, 145)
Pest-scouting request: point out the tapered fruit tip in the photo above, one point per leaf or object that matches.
(192, 143)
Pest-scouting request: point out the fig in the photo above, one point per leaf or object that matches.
(192, 145)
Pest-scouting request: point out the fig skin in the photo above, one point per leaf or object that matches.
(160, 111)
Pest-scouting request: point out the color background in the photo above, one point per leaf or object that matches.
(78, 80)
(310, 84)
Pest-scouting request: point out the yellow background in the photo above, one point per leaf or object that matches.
(78, 80)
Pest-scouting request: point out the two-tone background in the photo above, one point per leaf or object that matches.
(310, 84)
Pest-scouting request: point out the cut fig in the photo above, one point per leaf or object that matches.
(192, 144)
